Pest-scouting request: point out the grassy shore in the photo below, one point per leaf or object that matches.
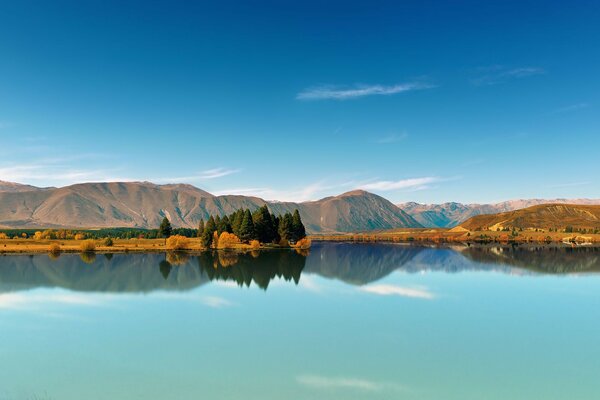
(119, 246)
(462, 236)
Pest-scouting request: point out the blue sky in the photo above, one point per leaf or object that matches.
(416, 101)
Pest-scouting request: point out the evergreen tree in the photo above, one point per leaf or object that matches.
(298, 230)
(209, 229)
(236, 221)
(200, 228)
(285, 227)
(165, 228)
(223, 225)
(247, 228)
(263, 225)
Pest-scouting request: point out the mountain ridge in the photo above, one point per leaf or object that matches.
(144, 204)
(452, 214)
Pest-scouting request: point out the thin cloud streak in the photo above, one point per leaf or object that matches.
(572, 107)
(498, 74)
(346, 383)
(413, 183)
(392, 290)
(345, 93)
(392, 138)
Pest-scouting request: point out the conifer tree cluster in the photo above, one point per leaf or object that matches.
(259, 225)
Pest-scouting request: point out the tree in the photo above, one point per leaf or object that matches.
(200, 228)
(263, 225)
(298, 230)
(247, 232)
(165, 228)
(285, 227)
(209, 230)
(223, 225)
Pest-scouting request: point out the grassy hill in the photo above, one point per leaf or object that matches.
(546, 216)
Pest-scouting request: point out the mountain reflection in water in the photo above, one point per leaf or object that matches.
(355, 264)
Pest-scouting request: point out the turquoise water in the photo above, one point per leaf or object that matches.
(343, 322)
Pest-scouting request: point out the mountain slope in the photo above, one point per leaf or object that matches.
(449, 215)
(543, 217)
(144, 204)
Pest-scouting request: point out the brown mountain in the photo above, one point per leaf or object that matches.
(144, 204)
(543, 216)
(449, 215)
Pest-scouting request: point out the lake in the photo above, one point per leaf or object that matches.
(345, 321)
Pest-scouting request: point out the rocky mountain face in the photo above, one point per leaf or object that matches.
(449, 215)
(144, 204)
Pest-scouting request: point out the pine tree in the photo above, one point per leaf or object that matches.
(236, 221)
(263, 225)
(223, 225)
(165, 228)
(285, 227)
(200, 228)
(209, 230)
(298, 230)
(247, 228)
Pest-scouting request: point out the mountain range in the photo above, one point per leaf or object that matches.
(144, 204)
(449, 215)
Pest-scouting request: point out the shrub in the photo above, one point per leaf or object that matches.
(87, 246)
(178, 242)
(79, 236)
(303, 243)
(228, 241)
(3, 235)
(254, 244)
(108, 242)
(54, 248)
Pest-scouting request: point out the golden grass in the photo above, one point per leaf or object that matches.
(118, 246)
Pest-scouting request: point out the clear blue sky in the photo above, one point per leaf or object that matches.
(428, 101)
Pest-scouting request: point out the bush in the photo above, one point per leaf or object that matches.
(54, 248)
(79, 236)
(178, 242)
(3, 235)
(254, 244)
(303, 243)
(228, 241)
(87, 246)
(108, 242)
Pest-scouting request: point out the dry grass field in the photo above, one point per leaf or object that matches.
(120, 246)
(459, 235)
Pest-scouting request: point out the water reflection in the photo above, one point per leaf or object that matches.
(356, 264)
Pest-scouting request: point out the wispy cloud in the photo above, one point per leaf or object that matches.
(34, 301)
(392, 290)
(406, 184)
(215, 302)
(499, 74)
(572, 107)
(356, 91)
(345, 383)
(393, 138)
(206, 175)
(312, 191)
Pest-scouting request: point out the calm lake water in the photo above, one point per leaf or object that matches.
(377, 321)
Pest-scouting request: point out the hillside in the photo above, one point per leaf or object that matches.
(557, 216)
(449, 215)
(144, 204)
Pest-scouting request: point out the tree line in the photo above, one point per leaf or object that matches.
(260, 225)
